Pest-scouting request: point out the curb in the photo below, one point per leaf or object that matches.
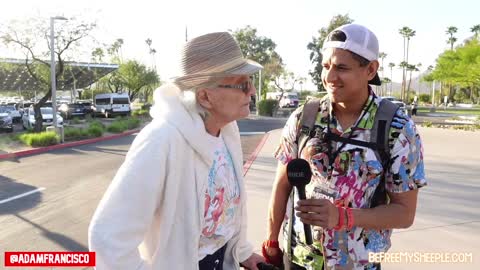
(254, 155)
(64, 145)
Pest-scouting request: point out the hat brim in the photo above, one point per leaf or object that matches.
(248, 67)
(375, 81)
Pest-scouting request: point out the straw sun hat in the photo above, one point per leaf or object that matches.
(211, 57)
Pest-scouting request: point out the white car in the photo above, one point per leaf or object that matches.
(289, 100)
(28, 118)
(400, 103)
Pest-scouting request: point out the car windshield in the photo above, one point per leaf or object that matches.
(4, 109)
(44, 110)
(120, 101)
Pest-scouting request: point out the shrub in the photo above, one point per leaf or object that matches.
(96, 123)
(40, 139)
(122, 124)
(265, 107)
(427, 124)
(117, 127)
(76, 121)
(142, 113)
(133, 122)
(95, 131)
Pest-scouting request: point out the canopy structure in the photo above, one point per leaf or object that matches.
(15, 76)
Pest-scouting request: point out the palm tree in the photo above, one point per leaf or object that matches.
(475, 30)
(391, 65)
(451, 39)
(411, 68)
(152, 52)
(382, 56)
(406, 33)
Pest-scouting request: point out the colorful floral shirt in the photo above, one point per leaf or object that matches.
(222, 200)
(355, 174)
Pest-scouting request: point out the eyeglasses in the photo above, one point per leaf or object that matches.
(245, 86)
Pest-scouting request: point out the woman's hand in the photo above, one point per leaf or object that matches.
(317, 212)
(252, 261)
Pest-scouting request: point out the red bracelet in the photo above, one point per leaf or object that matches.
(271, 243)
(341, 218)
(350, 218)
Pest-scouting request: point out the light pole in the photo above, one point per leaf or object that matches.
(52, 68)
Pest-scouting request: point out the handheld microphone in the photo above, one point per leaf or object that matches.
(299, 175)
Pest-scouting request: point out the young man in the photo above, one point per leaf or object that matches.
(346, 225)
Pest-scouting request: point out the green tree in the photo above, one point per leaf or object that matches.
(475, 30)
(262, 50)
(451, 39)
(382, 56)
(411, 68)
(315, 47)
(407, 33)
(134, 77)
(391, 66)
(31, 37)
(460, 67)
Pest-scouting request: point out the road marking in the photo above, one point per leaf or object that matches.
(22, 195)
(252, 133)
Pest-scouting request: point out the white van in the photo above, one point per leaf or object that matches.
(112, 104)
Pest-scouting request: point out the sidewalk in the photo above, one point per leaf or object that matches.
(258, 182)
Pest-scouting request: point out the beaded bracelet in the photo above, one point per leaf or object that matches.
(341, 219)
(350, 218)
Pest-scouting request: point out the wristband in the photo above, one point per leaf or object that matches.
(271, 243)
(350, 218)
(341, 218)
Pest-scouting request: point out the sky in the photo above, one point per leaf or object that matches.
(290, 24)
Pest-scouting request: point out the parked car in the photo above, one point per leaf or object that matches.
(6, 122)
(289, 100)
(28, 118)
(400, 103)
(72, 110)
(112, 104)
(14, 113)
(89, 108)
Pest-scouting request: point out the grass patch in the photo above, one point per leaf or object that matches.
(473, 111)
(141, 113)
(40, 139)
(427, 124)
(122, 124)
(76, 121)
(95, 129)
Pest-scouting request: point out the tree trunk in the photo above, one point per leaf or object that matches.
(408, 88)
(38, 115)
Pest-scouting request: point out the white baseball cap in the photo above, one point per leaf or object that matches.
(359, 40)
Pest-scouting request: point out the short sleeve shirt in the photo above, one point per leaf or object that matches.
(354, 175)
(222, 201)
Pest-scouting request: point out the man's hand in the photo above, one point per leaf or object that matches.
(252, 261)
(317, 212)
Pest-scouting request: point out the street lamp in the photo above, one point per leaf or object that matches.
(52, 68)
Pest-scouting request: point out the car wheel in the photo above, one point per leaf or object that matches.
(10, 130)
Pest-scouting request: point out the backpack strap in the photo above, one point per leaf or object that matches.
(307, 122)
(379, 136)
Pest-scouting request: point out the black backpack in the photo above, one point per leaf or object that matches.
(378, 143)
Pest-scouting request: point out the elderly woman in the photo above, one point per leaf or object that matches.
(178, 200)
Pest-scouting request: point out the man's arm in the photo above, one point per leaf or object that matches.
(400, 213)
(278, 203)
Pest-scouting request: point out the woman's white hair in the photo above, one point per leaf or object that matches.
(188, 98)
